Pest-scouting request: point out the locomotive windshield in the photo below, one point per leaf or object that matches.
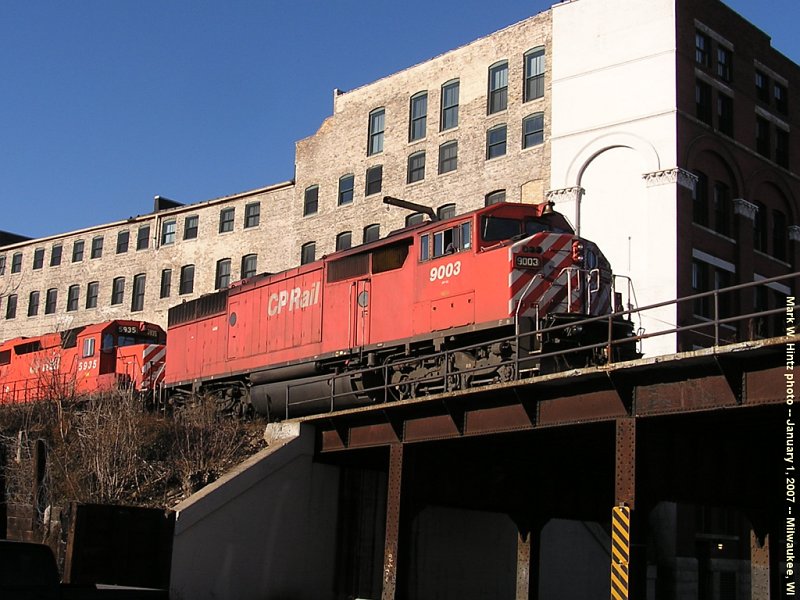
(498, 229)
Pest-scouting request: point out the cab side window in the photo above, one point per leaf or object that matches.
(451, 240)
(88, 348)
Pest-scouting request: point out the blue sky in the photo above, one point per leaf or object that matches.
(106, 103)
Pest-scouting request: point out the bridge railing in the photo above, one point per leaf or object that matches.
(718, 329)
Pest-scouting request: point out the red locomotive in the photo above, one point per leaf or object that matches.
(83, 360)
(436, 306)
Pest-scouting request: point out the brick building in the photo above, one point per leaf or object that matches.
(662, 129)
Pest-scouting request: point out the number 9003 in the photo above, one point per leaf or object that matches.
(445, 271)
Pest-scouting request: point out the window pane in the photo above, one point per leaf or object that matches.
(118, 290)
(372, 233)
(51, 301)
(77, 251)
(38, 258)
(495, 197)
(226, 217)
(308, 253)
(419, 117)
(252, 215)
(249, 265)
(33, 304)
(97, 247)
(344, 240)
(448, 157)
(166, 283)
(496, 142)
(534, 74)
(55, 256)
(73, 294)
(376, 127)
(190, 227)
(223, 276)
(311, 201)
(416, 167)
(374, 180)
(187, 280)
(346, 189)
(137, 300)
(449, 105)
(533, 130)
(92, 291)
(498, 88)
(168, 230)
(143, 238)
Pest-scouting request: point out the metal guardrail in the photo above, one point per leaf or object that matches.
(523, 367)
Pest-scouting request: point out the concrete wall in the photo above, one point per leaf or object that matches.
(266, 530)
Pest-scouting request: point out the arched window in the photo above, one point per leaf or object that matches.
(534, 74)
(377, 124)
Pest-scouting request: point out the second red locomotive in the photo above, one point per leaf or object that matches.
(403, 314)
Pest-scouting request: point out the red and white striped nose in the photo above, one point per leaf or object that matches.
(153, 363)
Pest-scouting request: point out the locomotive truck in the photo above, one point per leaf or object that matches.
(488, 296)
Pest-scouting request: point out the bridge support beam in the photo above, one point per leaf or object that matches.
(390, 552)
(759, 567)
(624, 503)
(528, 555)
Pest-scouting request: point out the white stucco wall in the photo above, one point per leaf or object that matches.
(613, 121)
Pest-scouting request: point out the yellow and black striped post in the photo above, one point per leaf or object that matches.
(620, 551)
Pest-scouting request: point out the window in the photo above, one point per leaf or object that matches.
(344, 240)
(447, 241)
(762, 87)
(722, 280)
(222, 279)
(311, 201)
(448, 157)
(447, 211)
(419, 116)
(252, 215)
(449, 117)
(137, 298)
(117, 290)
(2, 265)
(762, 137)
(533, 130)
(782, 147)
(187, 280)
(346, 189)
(702, 93)
(33, 304)
(702, 49)
(534, 74)
(38, 258)
(414, 219)
(123, 238)
(55, 255)
(16, 262)
(416, 167)
(92, 291)
(308, 253)
(190, 227)
(722, 208)
(781, 98)
(77, 251)
(725, 114)
(760, 227)
(51, 301)
(97, 247)
(143, 238)
(779, 234)
(169, 230)
(88, 348)
(498, 87)
(249, 265)
(166, 283)
(226, 216)
(73, 295)
(724, 63)
(700, 200)
(11, 306)
(700, 284)
(496, 142)
(372, 233)
(376, 127)
(374, 180)
(495, 197)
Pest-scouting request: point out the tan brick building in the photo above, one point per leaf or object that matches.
(613, 109)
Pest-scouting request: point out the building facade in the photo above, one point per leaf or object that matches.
(662, 129)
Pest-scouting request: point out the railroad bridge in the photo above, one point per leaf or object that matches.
(656, 478)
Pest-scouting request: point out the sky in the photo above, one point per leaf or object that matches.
(105, 104)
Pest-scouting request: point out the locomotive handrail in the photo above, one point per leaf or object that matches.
(444, 378)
